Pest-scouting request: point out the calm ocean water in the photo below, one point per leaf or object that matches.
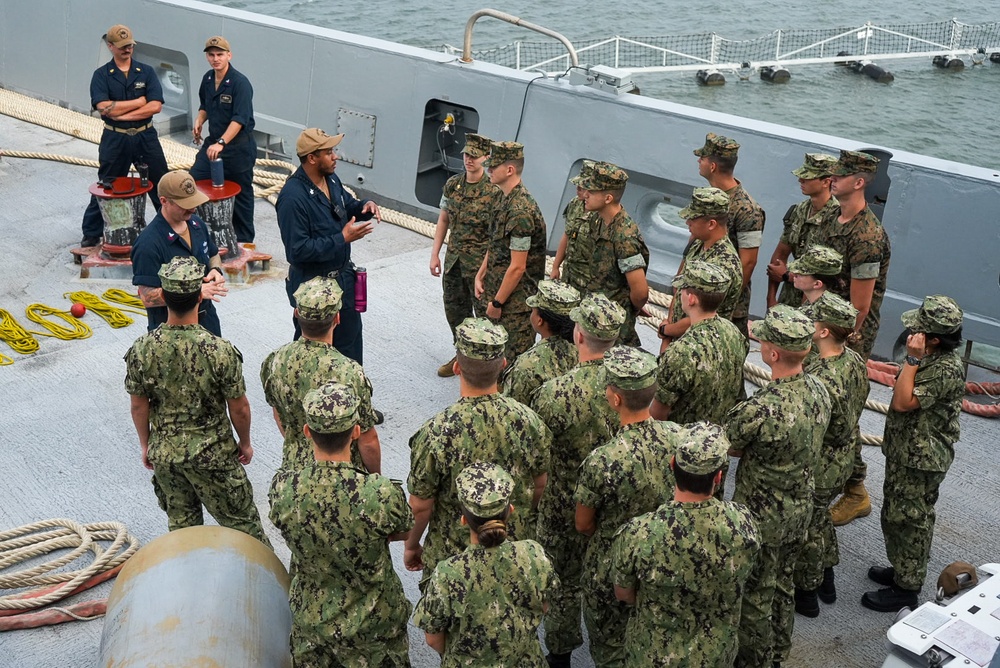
(926, 110)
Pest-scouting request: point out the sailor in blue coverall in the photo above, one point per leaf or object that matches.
(127, 94)
(227, 104)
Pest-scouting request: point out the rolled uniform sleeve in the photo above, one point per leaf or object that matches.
(674, 377)
(433, 613)
(590, 483)
(231, 381)
(623, 567)
(424, 479)
(520, 243)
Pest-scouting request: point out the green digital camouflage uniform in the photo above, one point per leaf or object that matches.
(575, 409)
(722, 254)
(348, 605)
(470, 208)
(701, 373)
(746, 230)
(187, 374)
(803, 230)
(547, 359)
(492, 428)
(620, 480)
(517, 226)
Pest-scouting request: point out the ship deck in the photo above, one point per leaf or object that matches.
(68, 447)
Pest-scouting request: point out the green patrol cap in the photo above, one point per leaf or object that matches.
(854, 162)
(331, 408)
(599, 316)
(630, 368)
(706, 202)
(704, 276)
(502, 151)
(605, 176)
(786, 327)
(817, 261)
(476, 145)
(484, 489)
(555, 296)
(937, 315)
(318, 298)
(182, 275)
(585, 169)
(703, 449)
(480, 339)
(717, 145)
(832, 309)
(816, 166)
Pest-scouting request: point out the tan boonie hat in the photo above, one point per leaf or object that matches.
(502, 151)
(183, 275)
(605, 176)
(816, 166)
(937, 315)
(484, 489)
(331, 408)
(817, 261)
(179, 187)
(119, 36)
(476, 145)
(703, 448)
(629, 368)
(585, 169)
(480, 339)
(854, 162)
(948, 580)
(704, 276)
(217, 42)
(315, 139)
(599, 316)
(555, 296)
(706, 202)
(717, 145)
(786, 327)
(318, 298)
(832, 309)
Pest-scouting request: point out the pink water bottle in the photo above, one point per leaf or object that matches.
(360, 289)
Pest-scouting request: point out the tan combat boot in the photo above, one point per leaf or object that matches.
(852, 505)
(447, 369)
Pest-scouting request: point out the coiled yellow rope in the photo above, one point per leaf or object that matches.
(113, 316)
(16, 336)
(131, 302)
(75, 330)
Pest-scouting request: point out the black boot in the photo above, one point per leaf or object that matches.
(883, 575)
(558, 660)
(890, 599)
(806, 603)
(827, 590)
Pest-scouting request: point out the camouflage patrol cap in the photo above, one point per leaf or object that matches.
(318, 298)
(599, 316)
(480, 339)
(476, 146)
(630, 368)
(484, 489)
(182, 275)
(555, 296)
(817, 261)
(717, 145)
(937, 315)
(119, 36)
(585, 169)
(786, 327)
(331, 408)
(605, 176)
(703, 449)
(833, 309)
(704, 276)
(816, 166)
(502, 151)
(854, 162)
(706, 202)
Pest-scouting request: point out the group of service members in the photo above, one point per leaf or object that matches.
(575, 476)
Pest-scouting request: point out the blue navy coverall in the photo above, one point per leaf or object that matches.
(311, 228)
(231, 101)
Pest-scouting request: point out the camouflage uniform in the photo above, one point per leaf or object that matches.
(470, 208)
(188, 374)
(804, 229)
(518, 225)
(919, 446)
(687, 562)
(746, 230)
(488, 600)
(780, 431)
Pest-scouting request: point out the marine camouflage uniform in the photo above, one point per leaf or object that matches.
(547, 359)
(746, 230)
(803, 230)
(348, 604)
(723, 254)
(188, 373)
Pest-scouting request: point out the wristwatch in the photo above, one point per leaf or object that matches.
(221, 142)
(912, 361)
(218, 269)
(496, 304)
